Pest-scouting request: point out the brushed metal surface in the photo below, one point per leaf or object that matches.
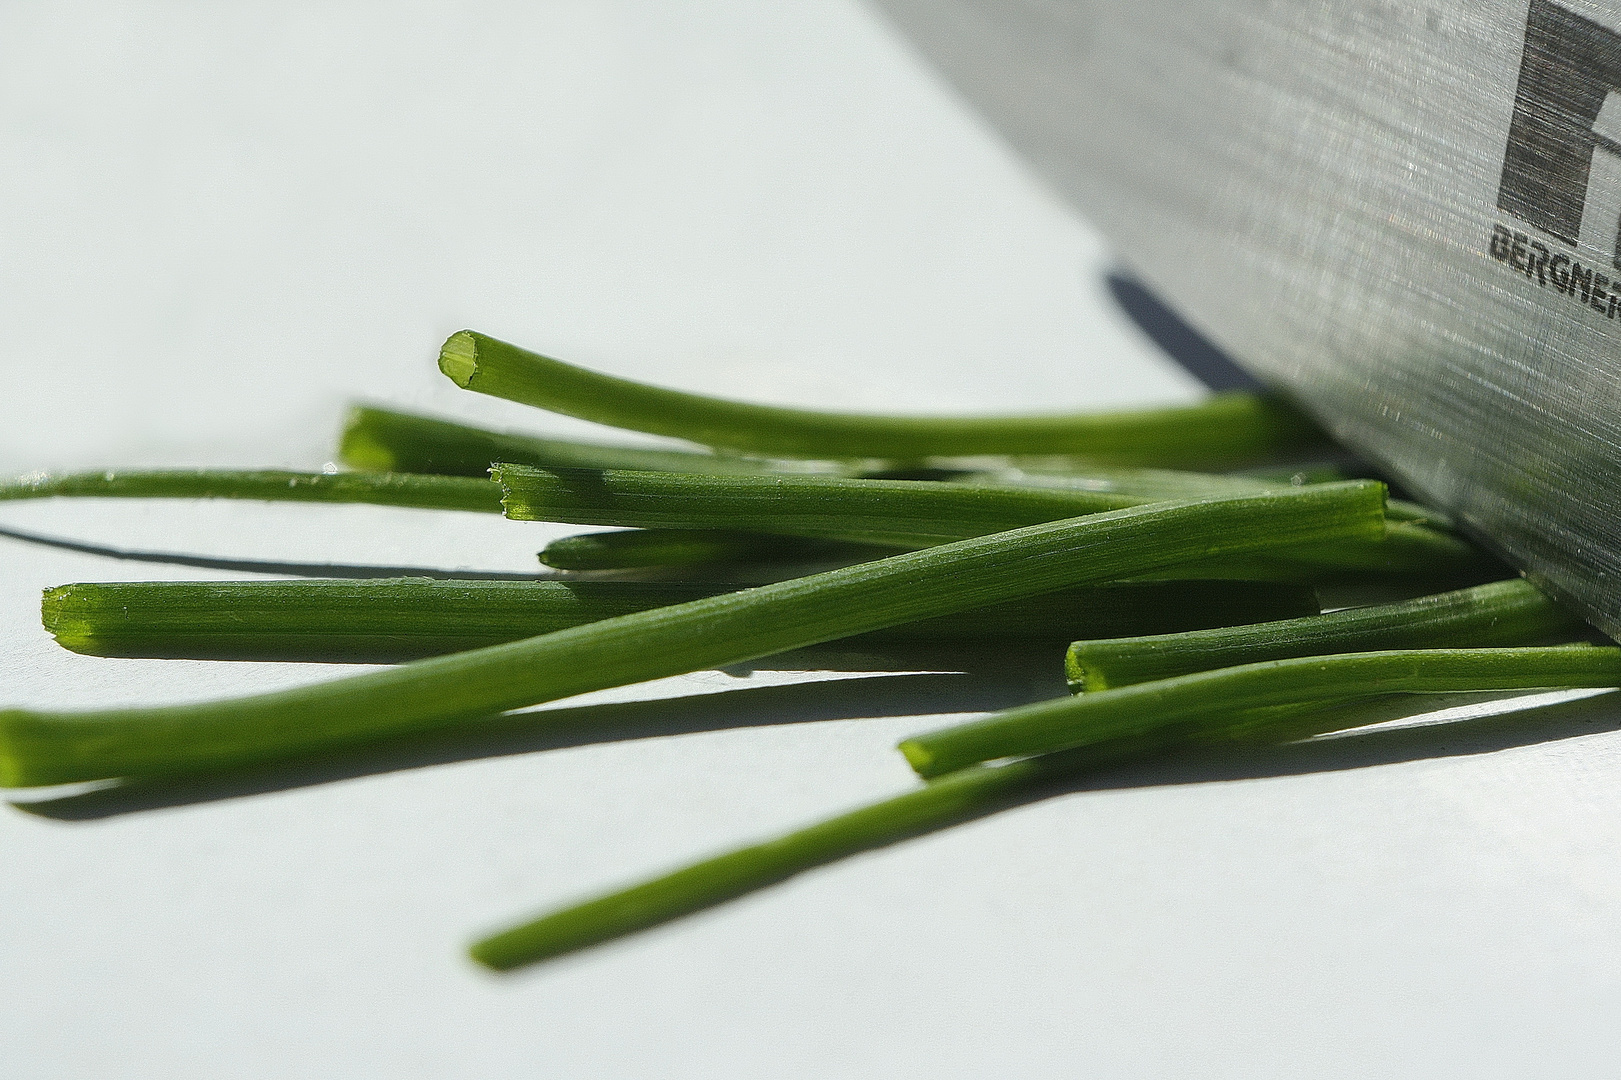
(1317, 185)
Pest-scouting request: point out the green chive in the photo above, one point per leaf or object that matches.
(963, 795)
(1406, 550)
(1152, 484)
(725, 877)
(628, 549)
(1328, 565)
(383, 440)
(1170, 710)
(395, 619)
(905, 513)
(1501, 613)
(1227, 428)
(271, 485)
(38, 747)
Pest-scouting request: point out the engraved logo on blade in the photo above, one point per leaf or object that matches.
(1569, 94)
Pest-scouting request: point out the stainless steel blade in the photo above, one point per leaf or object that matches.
(1403, 213)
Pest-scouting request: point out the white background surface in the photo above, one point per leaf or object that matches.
(217, 225)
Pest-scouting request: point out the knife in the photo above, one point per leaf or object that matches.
(1404, 215)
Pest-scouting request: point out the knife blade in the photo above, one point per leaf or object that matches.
(1404, 215)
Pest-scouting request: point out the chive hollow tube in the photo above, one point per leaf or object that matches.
(49, 747)
(406, 618)
(1229, 428)
(269, 485)
(1169, 709)
(1500, 613)
(380, 439)
(725, 877)
(903, 513)
(626, 549)
(910, 513)
(1170, 484)
(961, 795)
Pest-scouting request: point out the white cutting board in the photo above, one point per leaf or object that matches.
(221, 223)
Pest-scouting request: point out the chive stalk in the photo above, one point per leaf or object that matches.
(628, 549)
(725, 877)
(389, 620)
(49, 747)
(905, 513)
(1171, 709)
(270, 485)
(1406, 548)
(1226, 428)
(1500, 613)
(965, 794)
(1151, 484)
(383, 440)
(1344, 562)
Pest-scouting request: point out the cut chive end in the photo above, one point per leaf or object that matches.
(58, 614)
(459, 358)
(920, 757)
(1083, 676)
(51, 606)
(14, 771)
(500, 954)
(508, 504)
(1079, 679)
(598, 921)
(358, 448)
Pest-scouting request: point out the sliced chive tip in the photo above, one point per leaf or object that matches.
(458, 359)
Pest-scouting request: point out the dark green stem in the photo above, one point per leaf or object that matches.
(384, 440)
(1151, 484)
(903, 513)
(391, 620)
(627, 549)
(1501, 613)
(640, 548)
(270, 485)
(1170, 710)
(1226, 429)
(1407, 548)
